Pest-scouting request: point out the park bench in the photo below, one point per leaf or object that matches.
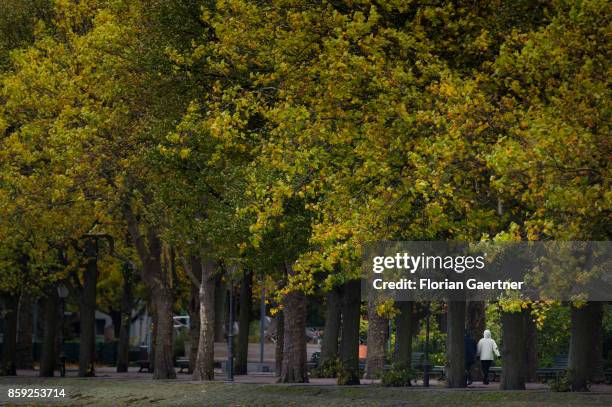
(608, 375)
(314, 361)
(544, 373)
(61, 365)
(143, 360)
(559, 366)
(417, 362)
(182, 363)
(495, 373)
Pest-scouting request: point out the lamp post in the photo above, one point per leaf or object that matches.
(426, 364)
(230, 335)
(262, 315)
(62, 292)
(390, 333)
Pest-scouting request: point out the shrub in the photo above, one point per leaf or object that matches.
(328, 369)
(397, 376)
(347, 376)
(562, 382)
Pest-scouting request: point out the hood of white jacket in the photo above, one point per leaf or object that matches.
(487, 334)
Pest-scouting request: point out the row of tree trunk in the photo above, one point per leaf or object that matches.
(341, 339)
(519, 336)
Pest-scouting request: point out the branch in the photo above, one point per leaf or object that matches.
(111, 245)
(133, 230)
(194, 279)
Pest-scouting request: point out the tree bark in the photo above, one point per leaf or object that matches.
(153, 313)
(24, 335)
(164, 335)
(331, 331)
(244, 321)
(403, 334)
(294, 369)
(531, 351)
(205, 361)
(349, 342)
(455, 345)
(9, 341)
(194, 326)
(280, 338)
(513, 351)
(597, 373)
(378, 327)
(586, 321)
(49, 351)
(87, 310)
(220, 309)
(476, 324)
(127, 303)
(159, 281)
(115, 316)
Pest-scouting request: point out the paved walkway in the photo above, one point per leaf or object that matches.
(109, 373)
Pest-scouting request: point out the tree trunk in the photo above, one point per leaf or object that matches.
(476, 324)
(513, 351)
(194, 326)
(403, 334)
(294, 369)
(205, 361)
(244, 321)
(280, 339)
(586, 321)
(24, 335)
(160, 282)
(9, 339)
(331, 331)
(87, 311)
(49, 351)
(597, 373)
(164, 335)
(127, 302)
(115, 316)
(349, 342)
(220, 309)
(455, 345)
(531, 351)
(377, 338)
(153, 313)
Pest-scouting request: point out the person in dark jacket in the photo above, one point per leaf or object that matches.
(470, 356)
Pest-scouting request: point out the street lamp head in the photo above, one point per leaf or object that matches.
(62, 291)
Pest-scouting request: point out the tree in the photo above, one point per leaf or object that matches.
(552, 89)
(455, 344)
(48, 356)
(9, 344)
(294, 368)
(127, 305)
(349, 342)
(475, 326)
(403, 334)
(87, 308)
(378, 327)
(244, 318)
(204, 369)
(514, 345)
(331, 331)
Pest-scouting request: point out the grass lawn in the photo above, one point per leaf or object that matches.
(110, 392)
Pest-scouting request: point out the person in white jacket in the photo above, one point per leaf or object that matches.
(486, 350)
